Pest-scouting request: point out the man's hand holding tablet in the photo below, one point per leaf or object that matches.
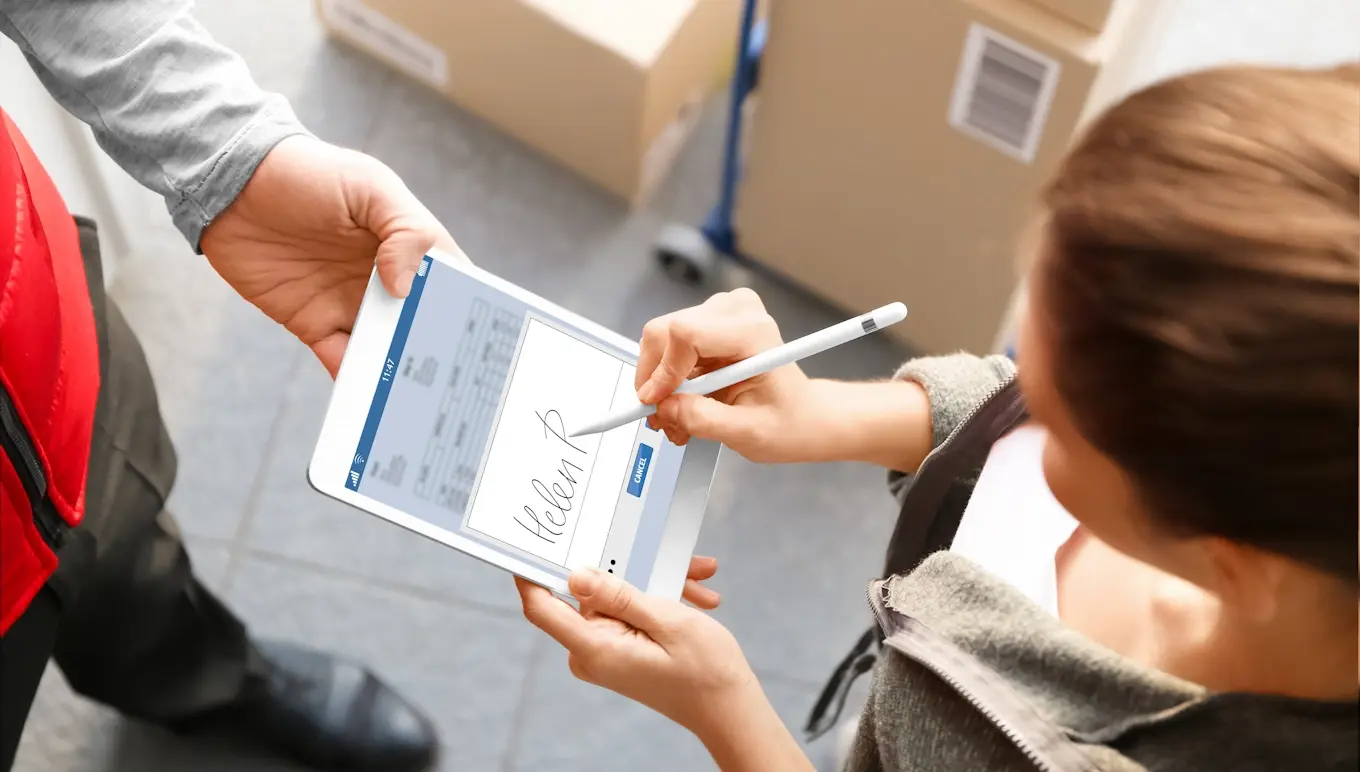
(449, 417)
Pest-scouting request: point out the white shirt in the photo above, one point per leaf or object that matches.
(1012, 526)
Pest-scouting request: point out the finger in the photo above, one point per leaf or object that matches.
(612, 597)
(444, 240)
(399, 257)
(650, 348)
(702, 568)
(578, 669)
(675, 434)
(550, 614)
(331, 350)
(666, 357)
(731, 325)
(678, 358)
(702, 597)
(707, 419)
(380, 203)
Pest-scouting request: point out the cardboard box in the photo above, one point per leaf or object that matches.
(610, 88)
(1091, 14)
(898, 147)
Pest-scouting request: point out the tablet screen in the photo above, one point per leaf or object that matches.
(468, 430)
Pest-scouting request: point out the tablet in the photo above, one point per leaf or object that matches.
(450, 417)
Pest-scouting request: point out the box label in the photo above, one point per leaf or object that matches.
(667, 145)
(404, 49)
(1003, 92)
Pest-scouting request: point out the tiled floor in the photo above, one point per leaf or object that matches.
(244, 401)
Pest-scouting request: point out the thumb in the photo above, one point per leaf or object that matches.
(399, 256)
(709, 419)
(612, 597)
(380, 203)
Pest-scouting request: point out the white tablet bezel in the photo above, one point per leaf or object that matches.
(357, 382)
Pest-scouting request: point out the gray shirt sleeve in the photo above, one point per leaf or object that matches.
(174, 108)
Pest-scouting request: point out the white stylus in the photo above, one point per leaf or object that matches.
(761, 363)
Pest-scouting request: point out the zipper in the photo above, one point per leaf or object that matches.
(876, 606)
(919, 513)
(921, 648)
(1000, 723)
(816, 725)
(18, 447)
(958, 427)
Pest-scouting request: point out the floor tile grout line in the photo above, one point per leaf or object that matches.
(388, 94)
(255, 498)
(388, 585)
(537, 656)
(766, 675)
(207, 540)
(781, 678)
(253, 501)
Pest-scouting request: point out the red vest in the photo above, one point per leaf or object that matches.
(49, 367)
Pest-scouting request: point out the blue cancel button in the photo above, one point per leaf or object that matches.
(638, 474)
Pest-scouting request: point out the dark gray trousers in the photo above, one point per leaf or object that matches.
(124, 617)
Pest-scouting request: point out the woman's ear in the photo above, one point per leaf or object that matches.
(1244, 578)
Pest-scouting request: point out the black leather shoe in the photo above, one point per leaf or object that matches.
(335, 715)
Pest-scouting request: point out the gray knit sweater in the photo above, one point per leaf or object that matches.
(974, 676)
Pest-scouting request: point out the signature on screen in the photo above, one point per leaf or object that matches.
(547, 517)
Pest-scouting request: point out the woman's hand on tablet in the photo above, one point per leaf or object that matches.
(672, 658)
(781, 416)
(301, 239)
(761, 418)
(701, 569)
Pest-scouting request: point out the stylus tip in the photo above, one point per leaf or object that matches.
(594, 427)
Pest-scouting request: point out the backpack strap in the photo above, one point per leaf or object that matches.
(826, 712)
(925, 524)
(931, 512)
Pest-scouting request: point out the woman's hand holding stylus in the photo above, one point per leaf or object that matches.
(778, 417)
(746, 417)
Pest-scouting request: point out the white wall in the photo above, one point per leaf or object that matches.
(1203, 33)
(1291, 32)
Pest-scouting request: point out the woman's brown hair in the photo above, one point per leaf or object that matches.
(1201, 279)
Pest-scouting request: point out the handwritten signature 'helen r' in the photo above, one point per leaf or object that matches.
(557, 494)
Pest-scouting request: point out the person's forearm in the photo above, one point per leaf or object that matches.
(746, 735)
(885, 423)
(177, 111)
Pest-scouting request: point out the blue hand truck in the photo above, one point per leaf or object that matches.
(691, 255)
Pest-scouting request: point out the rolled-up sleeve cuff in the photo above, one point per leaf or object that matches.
(233, 168)
(955, 384)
